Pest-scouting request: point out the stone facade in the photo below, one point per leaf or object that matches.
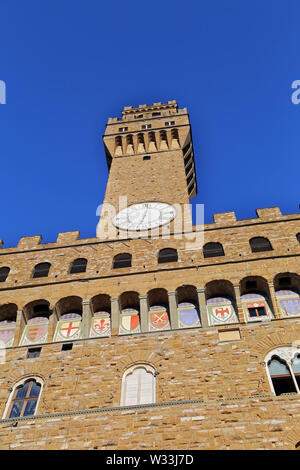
(212, 389)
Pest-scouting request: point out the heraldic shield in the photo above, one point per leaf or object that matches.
(130, 321)
(35, 331)
(188, 315)
(288, 302)
(100, 325)
(69, 327)
(159, 318)
(221, 311)
(7, 332)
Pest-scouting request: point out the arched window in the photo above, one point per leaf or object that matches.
(101, 322)
(36, 330)
(297, 446)
(138, 385)
(8, 317)
(69, 326)
(130, 315)
(167, 255)
(24, 399)
(213, 249)
(260, 244)
(4, 272)
(123, 260)
(188, 307)
(283, 367)
(41, 270)
(281, 377)
(78, 266)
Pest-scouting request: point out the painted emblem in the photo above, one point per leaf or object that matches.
(220, 310)
(256, 304)
(291, 306)
(69, 327)
(7, 336)
(130, 321)
(159, 319)
(101, 325)
(288, 302)
(35, 331)
(67, 330)
(188, 315)
(222, 313)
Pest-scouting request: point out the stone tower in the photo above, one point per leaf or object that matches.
(151, 170)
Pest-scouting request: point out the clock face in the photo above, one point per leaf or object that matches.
(144, 216)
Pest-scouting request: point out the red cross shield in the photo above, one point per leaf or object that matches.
(67, 330)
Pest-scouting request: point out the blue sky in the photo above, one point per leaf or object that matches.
(69, 65)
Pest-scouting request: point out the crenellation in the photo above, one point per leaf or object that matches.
(269, 213)
(26, 243)
(65, 238)
(225, 218)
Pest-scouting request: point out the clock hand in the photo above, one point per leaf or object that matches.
(142, 219)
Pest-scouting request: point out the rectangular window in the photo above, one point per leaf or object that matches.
(170, 123)
(257, 311)
(156, 114)
(67, 347)
(33, 352)
(123, 129)
(146, 126)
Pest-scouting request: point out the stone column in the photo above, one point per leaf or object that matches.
(20, 325)
(240, 312)
(144, 313)
(274, 302)
(173, 310)
(115, 316)
(87, 315)
(53, 319)
(202, 307)
(289, 364)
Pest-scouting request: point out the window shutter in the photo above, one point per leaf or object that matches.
(146, 386)
(131, 388)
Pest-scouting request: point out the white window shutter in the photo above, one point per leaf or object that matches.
(146, 387)
(131, 388)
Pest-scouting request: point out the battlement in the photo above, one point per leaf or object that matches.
(221, 220)
(144, 111)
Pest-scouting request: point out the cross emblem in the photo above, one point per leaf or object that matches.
(69, 329)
